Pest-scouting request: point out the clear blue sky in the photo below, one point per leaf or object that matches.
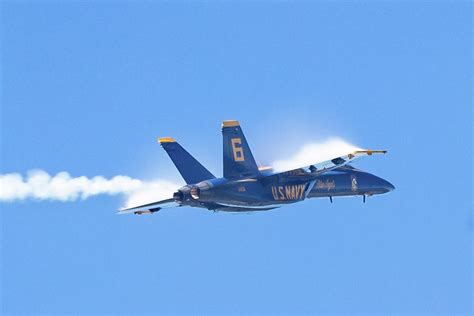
(87, 87)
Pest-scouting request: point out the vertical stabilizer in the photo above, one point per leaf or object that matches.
(189, 168)
(238, 159)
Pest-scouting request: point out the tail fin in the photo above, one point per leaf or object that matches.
(238, 159)
(189, 168)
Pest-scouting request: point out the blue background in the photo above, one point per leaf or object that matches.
(88, 86)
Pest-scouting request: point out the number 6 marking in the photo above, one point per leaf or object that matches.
(238, 151)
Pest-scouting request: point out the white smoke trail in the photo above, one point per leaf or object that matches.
(62, 187)
(314, 153)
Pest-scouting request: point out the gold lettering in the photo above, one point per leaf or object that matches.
(329, 184)
(237, 151)
(302, 191)
(287, 192)
(280, 190)
(274, 193)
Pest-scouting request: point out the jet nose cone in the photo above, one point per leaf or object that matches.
(388, 186)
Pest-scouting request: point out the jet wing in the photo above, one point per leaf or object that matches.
(149, 208)
(316, 169)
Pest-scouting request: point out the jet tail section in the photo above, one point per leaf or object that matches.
(189, 168)
(238, 159)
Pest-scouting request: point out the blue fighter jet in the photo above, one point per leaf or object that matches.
(246, 187)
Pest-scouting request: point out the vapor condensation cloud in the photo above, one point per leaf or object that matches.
(315, 152)
(39, 185)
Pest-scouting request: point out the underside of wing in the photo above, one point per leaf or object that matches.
(239, 208)
(316, 169)
(149, 208)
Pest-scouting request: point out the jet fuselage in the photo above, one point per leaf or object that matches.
(269, 192)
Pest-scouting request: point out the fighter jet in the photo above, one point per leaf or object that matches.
(245, 187)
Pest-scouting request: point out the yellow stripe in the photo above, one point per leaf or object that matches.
(166, 140)
(230, 123)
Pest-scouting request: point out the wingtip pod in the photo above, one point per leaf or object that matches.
(230, 123)
(166, 140)
(141, 212)
(370, 152)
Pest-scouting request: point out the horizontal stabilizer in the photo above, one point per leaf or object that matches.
(190, 169)
(149, 208)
